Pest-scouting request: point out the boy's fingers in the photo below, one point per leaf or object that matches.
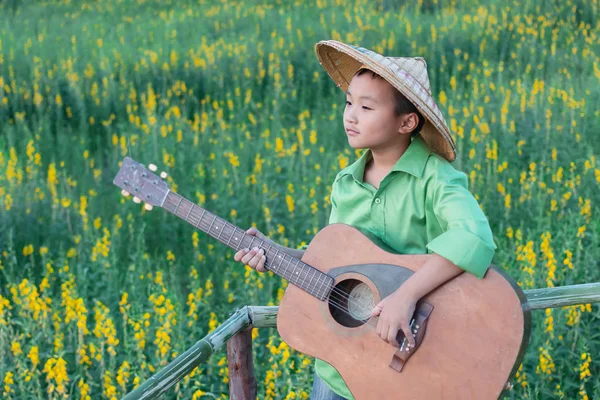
(381, 328)
(391, 336)
(248, 257)
(238, 256)
(376, 310)
(261, 265)
(257, 258)
(408, 333)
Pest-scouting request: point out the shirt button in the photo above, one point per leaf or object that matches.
(377, 200)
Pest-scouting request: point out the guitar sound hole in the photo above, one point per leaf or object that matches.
(351, 302)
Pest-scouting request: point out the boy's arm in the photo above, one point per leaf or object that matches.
(466, 244)
(435, 272)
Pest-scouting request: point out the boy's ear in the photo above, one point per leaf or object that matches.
(408, 123)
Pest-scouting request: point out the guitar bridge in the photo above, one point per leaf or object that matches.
(417, 327)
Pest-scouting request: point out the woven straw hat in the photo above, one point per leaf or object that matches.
(407, 74)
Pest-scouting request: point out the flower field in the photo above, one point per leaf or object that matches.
(228, 97)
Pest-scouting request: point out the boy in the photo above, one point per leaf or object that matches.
(402, 192)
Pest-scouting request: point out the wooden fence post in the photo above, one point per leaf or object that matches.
(242, 383)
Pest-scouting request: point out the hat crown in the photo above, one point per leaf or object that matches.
(416, 67)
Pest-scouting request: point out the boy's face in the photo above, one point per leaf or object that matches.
(370, 119)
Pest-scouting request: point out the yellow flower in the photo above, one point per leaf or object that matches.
(213, 322)
(15, 347)
(28, 250)
(56, 369)
(170, 256)
(290, 202)
(233, 160)
(34, 356)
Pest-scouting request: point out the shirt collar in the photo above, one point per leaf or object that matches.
(412, 161)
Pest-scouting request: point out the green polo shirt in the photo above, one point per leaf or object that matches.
(422, 206)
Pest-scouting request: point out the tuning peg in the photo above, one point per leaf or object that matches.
(163, 175)
(152, 167)
(137, 200)
(125, 193)
(148, 207)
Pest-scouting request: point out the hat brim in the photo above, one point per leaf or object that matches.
(342, 61)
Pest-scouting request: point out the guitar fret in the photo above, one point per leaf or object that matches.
(303, 274)
(280, 258)
(311, 278)
(211, 224)
(324, 286)
(220, 231)
(295, 267)
(229, 240)
(189, 211)
(327, 286)
(303, 270)
(318, 286)
(200, 219)
(286, 267)
(193, 215)
(275, 268)
(177, 207)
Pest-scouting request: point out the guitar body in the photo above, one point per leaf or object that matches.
(474, 341)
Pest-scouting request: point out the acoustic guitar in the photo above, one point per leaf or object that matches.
(470, 333)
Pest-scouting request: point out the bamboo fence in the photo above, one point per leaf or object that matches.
(236, 332)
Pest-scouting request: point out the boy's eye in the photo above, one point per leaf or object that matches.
(347, 102)
(366, 108)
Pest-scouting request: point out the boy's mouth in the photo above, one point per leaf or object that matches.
(351, 132)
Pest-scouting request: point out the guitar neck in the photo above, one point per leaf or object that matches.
(296, 272)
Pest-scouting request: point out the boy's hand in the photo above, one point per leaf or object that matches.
(254, 258)
(395, 313)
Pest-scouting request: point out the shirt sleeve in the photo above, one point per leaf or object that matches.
(333, 214)
(467, 239)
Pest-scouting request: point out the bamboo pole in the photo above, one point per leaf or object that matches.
(563, 296)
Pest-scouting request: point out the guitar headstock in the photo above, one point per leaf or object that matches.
(134, 178)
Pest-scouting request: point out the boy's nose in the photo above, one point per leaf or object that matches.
(350, 116)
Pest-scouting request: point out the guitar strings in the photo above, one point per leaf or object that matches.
(371, 322)
(343, 295)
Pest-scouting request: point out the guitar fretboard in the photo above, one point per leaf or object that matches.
(302, 275)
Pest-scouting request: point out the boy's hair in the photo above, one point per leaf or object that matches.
(403, 105)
